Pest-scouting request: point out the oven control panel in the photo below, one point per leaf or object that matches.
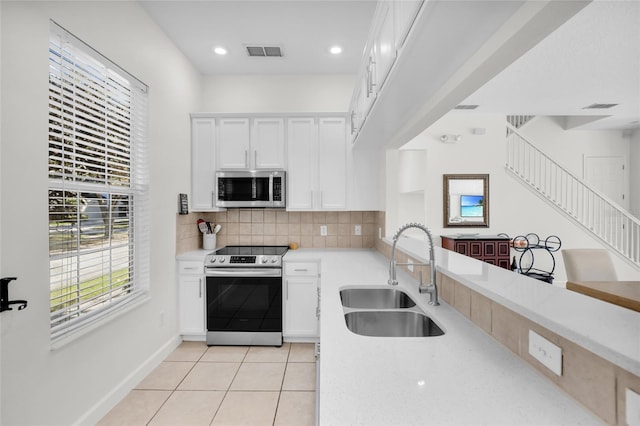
(234, 260)
(242, 259)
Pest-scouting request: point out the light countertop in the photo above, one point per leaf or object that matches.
(463, 377)
(607, 330)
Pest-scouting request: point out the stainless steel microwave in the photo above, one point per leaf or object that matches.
(251, 188)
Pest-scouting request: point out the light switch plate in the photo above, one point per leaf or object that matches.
(547, 353)
(323, 230)
(358, 230)
(410, 265)
(633, 407)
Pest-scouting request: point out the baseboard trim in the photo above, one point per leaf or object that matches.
(104, 405)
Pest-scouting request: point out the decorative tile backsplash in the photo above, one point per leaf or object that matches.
(279, 227)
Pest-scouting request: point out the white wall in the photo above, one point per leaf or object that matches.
(569, 148)
(634, 173)
(277, 93)
(513, 208)
(79, 381)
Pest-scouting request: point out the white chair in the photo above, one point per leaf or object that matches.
(588, 265)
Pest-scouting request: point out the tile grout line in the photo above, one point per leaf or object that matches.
(226, 392)
(176, 387)
(286, 365)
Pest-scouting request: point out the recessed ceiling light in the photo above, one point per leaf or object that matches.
(335, 50)
(220, 50)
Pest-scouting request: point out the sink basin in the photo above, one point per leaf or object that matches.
(375, 298)
(392, 324)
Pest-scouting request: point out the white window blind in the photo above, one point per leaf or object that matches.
(98, 185)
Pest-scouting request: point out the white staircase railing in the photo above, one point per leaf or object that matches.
(601, 216)
(518, 121)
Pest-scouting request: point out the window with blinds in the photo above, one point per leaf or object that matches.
(98, 185)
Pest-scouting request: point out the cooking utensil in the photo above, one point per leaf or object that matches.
(217, 228)
(209, 230)
(202, 226)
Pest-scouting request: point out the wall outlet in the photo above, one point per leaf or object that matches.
(632, 404)
(358, 230)
(379, 233)
(323, 230)
(410, 265)
(546, 352)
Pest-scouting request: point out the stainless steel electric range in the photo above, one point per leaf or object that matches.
(244, 295)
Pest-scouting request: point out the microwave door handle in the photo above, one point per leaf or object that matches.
(271, 188)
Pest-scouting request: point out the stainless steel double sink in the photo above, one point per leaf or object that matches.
(385, 312)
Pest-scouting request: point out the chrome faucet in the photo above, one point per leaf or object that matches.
(423, 288)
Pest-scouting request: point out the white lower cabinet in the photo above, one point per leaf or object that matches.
(191, 300)
(301, 301)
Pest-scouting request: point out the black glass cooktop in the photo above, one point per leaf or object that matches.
(252, 250)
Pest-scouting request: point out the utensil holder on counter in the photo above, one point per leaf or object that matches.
(209, 241)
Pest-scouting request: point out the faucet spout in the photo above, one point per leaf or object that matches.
(430, 288)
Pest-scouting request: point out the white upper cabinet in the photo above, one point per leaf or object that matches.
(267, 143)
(404, 13)
(302, 171)
(233, 143)
(332, 164)
(316, 173)
(203, 164)
(392, 23)
(250, 143)
(384, 46)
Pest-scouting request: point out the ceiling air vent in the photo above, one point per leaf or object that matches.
(599, 106)
(264, 51)
(462, 106)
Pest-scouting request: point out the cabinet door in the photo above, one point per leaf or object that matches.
(233, 143)
(301, 303)
(191, 305)
(384, 47)
(405, 13)
(332, 163)
(203, 164)
(267, 143)
(302, 170)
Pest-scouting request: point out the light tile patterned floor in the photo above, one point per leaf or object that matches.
(224, 385)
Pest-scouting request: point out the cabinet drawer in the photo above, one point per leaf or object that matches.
(190, 267)
(301, 268)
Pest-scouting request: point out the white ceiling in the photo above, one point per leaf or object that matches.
(305, 29)
(593, 58)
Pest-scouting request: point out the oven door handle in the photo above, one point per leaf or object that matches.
(243, 272)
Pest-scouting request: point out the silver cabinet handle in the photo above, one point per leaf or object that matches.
(200, 288)
(286, 290)
(246, 157)
(255, 158)
(370, 83)
(301, 270)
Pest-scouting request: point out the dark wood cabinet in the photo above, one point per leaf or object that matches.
(488, 248)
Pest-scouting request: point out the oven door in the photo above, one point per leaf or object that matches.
(244, 306)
